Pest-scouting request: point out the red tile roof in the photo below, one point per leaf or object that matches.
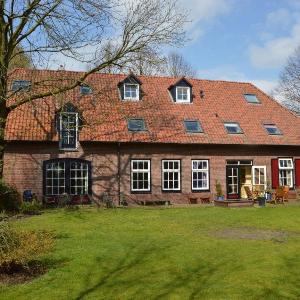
(105, 115)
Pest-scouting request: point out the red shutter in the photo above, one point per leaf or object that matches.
(275, 173)
(297, 172)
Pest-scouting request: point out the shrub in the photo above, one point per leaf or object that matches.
(19, 248)
(10, 199)
(31, 208)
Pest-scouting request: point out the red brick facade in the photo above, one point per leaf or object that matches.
(23, 165)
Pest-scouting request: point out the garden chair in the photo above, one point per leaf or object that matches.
(278, 196)
(286, 190)
(250, 195)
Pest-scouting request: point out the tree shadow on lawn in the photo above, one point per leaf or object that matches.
(125, 275)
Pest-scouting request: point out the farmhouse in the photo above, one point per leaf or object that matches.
(147, 138)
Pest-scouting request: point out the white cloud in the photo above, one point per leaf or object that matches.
(201, 11)
(230, 73)
(275, 50)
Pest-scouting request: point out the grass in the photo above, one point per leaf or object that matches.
(166, 254)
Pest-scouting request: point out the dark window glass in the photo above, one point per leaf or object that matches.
(193, 126)
(136, 125)
(85, 90)
(233, 128)
(272, 129)
(21, 85)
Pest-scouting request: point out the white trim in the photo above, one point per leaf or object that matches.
(137, 98)
(188, 94)
(143, 171)
(60, 131)
(287, 169)
(168, 171)
(203, 171)
(265, 176)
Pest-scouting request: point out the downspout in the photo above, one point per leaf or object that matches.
(119, 171)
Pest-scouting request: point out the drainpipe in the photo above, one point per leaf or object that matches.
(119, 171)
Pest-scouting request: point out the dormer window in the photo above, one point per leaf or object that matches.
(183, 94)
(181, 91)
(21, 85)
(68, 123)
(131, 91)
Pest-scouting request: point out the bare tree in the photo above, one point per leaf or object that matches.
(177, 66)
(288, 90)
(41, 28)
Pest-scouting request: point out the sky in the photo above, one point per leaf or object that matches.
(242, 40)
(238, 40)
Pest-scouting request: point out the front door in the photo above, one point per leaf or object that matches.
(233, 184)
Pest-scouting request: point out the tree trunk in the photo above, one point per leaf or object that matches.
(3, 118)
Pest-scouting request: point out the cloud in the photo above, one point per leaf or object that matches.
(231, 73)
(276, 48)
(201, 12)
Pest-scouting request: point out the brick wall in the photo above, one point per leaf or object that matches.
(23, 165)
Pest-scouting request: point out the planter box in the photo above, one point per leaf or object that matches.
(234, 203)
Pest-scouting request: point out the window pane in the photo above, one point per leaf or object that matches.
(140, 175)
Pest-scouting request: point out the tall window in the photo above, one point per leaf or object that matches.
(71, 176)
(200, 175)
(131, 91)
(55, 178)
(140, 175)
(182, 94)
(171, 175)
(286, 168)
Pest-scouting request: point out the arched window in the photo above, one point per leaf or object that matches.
(67, 175)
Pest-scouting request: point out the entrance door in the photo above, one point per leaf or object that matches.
(233, 185)
(259, 178)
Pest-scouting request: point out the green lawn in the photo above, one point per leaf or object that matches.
(177, 253)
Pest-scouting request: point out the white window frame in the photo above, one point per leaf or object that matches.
(289, 168)
(233, 124)
(196, 170)
(254, 183)
(137, 98)
(55, 167)
(143, 171)
(188, 100)
(83, 168)
(178, 171)
(60, 130)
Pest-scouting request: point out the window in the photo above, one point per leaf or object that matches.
(171, 175)
(131, 91)
(193, 126)
(200, 176)
(272, 129)
(85, 90)
(286, 168)
(136, 125)
(251, 98)
(55, 178)
(21, 85)
(78, 178)
(71, 176)
(233, 128)
(68, 130)
(182, 94)
(140, 175)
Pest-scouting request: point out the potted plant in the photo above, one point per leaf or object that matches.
(268, 191)
(219, 192)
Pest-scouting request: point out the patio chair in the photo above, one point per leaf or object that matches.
(250, 195)
(278, 196)
(286, 190)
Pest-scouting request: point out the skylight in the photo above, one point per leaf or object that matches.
(272, 129)
(21, 85)
(233, 127)
(85, 90)
(136, 125)
(251, 98)
(193, 126)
